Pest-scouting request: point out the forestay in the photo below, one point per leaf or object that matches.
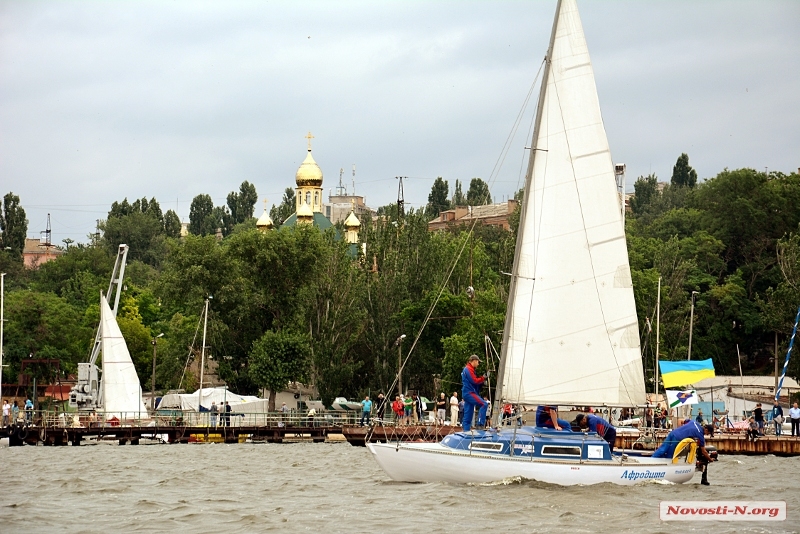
(572, 335)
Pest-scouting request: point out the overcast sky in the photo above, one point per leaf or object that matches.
(105, 100)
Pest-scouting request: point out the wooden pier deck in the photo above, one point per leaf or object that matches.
(34, 435)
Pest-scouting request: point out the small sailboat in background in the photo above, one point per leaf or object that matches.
(571, 336)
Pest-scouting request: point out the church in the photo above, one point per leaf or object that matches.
(309, 206)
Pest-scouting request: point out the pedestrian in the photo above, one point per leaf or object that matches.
(454, 409)
(487, 418)
(6, 412)
(214, 410)
(284, 415)
(648, 417)
(228, 411)
(398, 409)
(752, 429)
(794, 415)
(15, 413)
(777, 417)
(28, 410)
(408, 409)
(441, 408)
(366, 410)
(421, 407)
(381, 406)
(758, 415)
(699, 417)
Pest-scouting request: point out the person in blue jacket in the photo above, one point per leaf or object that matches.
(547, 417)
(599, 426)
(471, 385)
(688, 430)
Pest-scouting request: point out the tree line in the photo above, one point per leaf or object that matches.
(293, 304)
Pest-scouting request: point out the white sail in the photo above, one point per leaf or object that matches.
(122, 393)
(572, 335)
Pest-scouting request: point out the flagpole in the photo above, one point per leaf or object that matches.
(658, 329)
(786, 362)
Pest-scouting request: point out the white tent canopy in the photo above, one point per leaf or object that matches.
(189, 401)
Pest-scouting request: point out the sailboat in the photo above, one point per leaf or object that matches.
(571, 335)
(121, 392)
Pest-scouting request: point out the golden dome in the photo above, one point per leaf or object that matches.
(352, 221)
(309, 173)
(264, 221)
(304, 212)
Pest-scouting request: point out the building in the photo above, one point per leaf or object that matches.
(490, 215)
(36, 253)
(339, 207)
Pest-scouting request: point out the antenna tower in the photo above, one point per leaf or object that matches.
(400, 200)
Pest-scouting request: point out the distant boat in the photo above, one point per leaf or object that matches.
(571, 336)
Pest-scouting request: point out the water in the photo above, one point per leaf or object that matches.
(334, 487)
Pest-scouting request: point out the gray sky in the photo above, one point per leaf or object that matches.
(105, 100)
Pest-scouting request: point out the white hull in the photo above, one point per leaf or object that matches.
(432, 462)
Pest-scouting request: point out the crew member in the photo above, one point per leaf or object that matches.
(600, 426)
(689, 430)
(547, 417)
(471, 385)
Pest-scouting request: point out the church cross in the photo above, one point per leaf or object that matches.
(309, 137)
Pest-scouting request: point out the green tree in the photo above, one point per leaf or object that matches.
(683, 175)
(478, 193)
(645, 192)
(201, 216)
(242, 204)
(438, 198)
(142, 232)
(278, 358)
(458, 196)
(285, 209)
(13, 226)
(172, 224)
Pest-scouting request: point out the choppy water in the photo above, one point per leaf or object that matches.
(334, 487)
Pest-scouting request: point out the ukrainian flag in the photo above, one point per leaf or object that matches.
(683, 373)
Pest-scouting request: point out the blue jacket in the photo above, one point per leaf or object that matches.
(689, 430)
(470, 382)
(598, 425)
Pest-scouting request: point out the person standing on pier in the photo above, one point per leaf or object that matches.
(758, 415)
(28, 411)
(381, 406)
(441, 408)
(794, 416)
(213, 412)
(6, 413)
(777, 417)
(454, 409)
(471, 385)
(228, 411)
(366, 410)
(398, 409)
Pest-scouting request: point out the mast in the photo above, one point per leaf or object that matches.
(528, 181)
(203, 358)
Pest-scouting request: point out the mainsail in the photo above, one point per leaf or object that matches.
(571, 334)
(122, 393)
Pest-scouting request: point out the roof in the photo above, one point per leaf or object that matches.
(320, 221)
(309, 173)
(751, 383)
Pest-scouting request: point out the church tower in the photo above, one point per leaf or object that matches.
(308, 195)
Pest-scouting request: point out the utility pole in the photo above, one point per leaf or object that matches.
(658, 331)
(400, 200)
